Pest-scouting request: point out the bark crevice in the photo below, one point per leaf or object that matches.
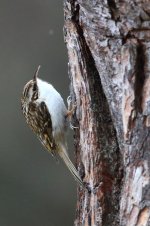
(113, 10)
(139, 77)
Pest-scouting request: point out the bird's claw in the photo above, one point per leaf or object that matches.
(71, 109)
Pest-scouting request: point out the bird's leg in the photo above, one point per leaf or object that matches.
(71, 109)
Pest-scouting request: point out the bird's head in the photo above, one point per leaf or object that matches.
(30, 91)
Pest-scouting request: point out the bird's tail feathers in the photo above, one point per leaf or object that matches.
(63, 154)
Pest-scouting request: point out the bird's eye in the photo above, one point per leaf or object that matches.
(34, 87)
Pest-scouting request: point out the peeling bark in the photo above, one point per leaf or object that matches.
(108, 46)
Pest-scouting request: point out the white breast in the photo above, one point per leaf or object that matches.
(55, 105)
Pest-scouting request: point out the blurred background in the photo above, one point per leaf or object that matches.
(34, 189)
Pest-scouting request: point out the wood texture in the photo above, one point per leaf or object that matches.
(108, 46)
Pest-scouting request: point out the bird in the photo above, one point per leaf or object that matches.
(47, 116)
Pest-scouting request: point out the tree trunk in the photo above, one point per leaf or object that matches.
(108, 46)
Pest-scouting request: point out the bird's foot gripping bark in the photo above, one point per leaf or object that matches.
(70, 112)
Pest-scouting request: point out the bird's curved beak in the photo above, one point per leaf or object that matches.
(36, 73)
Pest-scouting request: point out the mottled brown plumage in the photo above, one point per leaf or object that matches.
(38, 118)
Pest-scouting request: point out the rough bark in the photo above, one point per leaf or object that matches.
(108, 46)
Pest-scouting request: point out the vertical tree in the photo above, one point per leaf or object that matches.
(108, 46)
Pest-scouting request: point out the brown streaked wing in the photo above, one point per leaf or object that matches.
(41, 124)
(46, 125)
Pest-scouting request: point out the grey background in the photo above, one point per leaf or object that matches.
(34, 189)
